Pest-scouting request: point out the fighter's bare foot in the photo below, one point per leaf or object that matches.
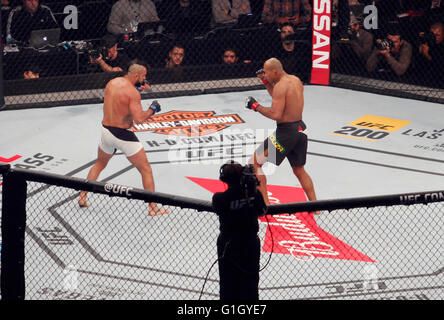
(83, 204)
(155, 211)
(82, 201)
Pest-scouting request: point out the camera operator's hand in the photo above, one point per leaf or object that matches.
(103, 65)
(95, 61)
(424, 50)
(385, 53)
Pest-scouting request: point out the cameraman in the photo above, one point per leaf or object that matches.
(361, 41)
(114, 61)
(431, 48)
(238, 246)
(393, 52)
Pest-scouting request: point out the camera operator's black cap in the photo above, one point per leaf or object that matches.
(231, 172)
(109, 40)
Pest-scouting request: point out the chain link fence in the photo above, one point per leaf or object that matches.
(373, 249)
(205, 41)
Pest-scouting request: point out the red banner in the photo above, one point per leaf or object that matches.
(298, 234)
(320, 68)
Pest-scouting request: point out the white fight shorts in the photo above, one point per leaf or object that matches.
(114, 139)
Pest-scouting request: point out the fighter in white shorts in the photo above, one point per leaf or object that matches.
(121, 108)
(114, 139)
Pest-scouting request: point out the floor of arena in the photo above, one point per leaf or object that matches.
(360, 144)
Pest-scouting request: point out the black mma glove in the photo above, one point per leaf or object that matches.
(155, 106)
(251, 103)
(261, 72)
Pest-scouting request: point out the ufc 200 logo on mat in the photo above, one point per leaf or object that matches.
(370, 128)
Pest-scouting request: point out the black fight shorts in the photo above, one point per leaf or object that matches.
(288, 141)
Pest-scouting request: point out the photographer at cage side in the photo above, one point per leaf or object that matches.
(361, 41)
(108, 57)
(353, 48)
(431, 49)
(238, 245)
(392, 53)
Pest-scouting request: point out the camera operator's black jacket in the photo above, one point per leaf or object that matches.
(122, 61)
(239, 221)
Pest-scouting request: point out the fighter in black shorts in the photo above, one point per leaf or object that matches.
(288, 141)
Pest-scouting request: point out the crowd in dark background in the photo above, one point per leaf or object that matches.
(408, 44)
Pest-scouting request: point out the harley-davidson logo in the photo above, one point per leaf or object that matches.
(187, 123)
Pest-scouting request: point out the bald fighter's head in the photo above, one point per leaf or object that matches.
(137, 71)
(273, 70)
(136, 68)
(274, 64)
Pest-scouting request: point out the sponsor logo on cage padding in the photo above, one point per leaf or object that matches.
(117, 189)
(188, 123)
(421, 198)
(371, 128)
(320, 71)
(298, 234)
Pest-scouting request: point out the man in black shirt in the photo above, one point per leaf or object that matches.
(184, 16)
(238, 245)
(30, 16)
(114, 61)
(431, 54)
(295, 57)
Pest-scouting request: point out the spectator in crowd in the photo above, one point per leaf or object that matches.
(295, 59)
(114, 61)
(31, 71)
(357, 8)
(230, 56)
(281, 11)
(175, 60)
(175, 56)
(31, 15)
(184, 16)
(227, 12)
(127, 14)
(431, 52)
(393, 53)
(352, 49)
(432, 44)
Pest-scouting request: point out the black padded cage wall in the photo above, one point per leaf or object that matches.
(207, 34)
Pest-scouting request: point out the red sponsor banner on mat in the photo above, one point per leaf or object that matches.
(320, 69)
(297, 234)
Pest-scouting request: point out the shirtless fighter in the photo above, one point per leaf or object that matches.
(288, 141)
(122, 106)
